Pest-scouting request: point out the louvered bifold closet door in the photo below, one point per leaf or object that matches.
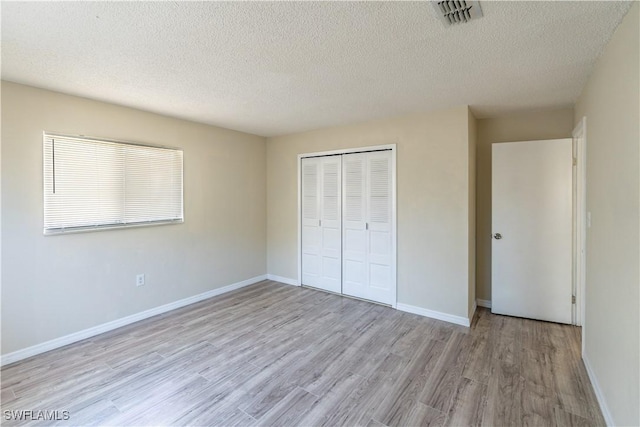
(311, 238)
(322, 223)
(354, 233)
(331, 224)
(367, 230)
(379, 233)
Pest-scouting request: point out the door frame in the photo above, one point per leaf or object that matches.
(394, 257)
(579, 136)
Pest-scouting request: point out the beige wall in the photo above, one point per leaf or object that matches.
(433, 195)
(550, 124)
(612, 324)
(56, 285)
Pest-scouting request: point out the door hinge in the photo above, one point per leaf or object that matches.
(575, 161)
(573, 299)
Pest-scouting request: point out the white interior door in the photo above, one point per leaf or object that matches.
(532, 229)
(321, 223)
(367, 229)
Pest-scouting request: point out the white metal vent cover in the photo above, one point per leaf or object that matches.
(457, 11)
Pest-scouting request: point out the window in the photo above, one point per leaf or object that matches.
(92, 184)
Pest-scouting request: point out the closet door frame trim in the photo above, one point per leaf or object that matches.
(394, 231)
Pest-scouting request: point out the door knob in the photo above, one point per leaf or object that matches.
(497, 236)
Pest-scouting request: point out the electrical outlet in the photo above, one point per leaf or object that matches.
(140, 280)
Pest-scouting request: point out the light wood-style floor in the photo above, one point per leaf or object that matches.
(273, 354)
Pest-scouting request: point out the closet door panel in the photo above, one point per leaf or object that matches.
(354, 225)
(331, 223)
(311, 236)
(379, 242)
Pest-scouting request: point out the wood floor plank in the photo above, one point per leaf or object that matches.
(567, 419)
(439, 391)
(504, 400)
(425, 416)
(374, 423)
(39, 395)
(238, 418)
(211, 407)
(273, 354)
(469, 404)
(7, 396)
(537, 408)
(537, 369)
(162, 404)
(164, 375)
(374, 348)
(481, 349)
(94, 414)
(331, 398)
(358, 407)
(396, 408)
(298, 374)
(290, 410)
(575, 391)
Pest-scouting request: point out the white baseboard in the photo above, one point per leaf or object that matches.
(105, 327)
(484, 303)
(284, 280)
(458, 320)
(598, 391)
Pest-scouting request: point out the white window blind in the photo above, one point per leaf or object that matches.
(93, 184)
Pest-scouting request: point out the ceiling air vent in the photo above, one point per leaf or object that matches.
(457, 12)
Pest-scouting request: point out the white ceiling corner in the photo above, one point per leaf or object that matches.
(273, 68)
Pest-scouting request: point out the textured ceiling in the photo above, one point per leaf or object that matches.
(272, 68)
